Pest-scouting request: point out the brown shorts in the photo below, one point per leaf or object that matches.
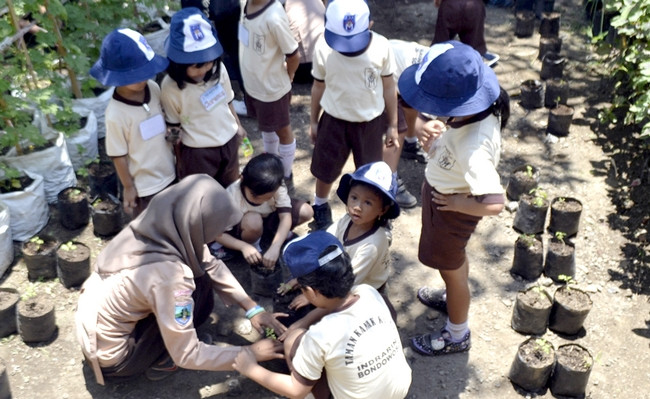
(272, 221)
(336, 138)
(465, 18)
(444, 234)
(272, 116)
(222, 163)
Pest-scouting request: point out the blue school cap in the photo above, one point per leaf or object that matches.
(451, 80)
(347, 25)
(192, 38)
(376, 174)
(126, 58)
(307, 253)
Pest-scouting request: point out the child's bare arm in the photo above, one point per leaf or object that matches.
(293, 62)
(249, 252)
(317, 90)
(282, 384)
(465, 203)
(130, 194)
(390, 101)
(273, 252)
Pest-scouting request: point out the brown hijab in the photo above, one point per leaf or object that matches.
(175, 227)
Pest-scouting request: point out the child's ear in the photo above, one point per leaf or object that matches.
(370, 24)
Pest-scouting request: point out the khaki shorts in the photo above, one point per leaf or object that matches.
(444, 234)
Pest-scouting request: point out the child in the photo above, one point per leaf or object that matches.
(197, 96)
(461, 181)
(135, 126)
(369, 195)
(268, 60)
(265, 203)
(353, 85)
(356, 347)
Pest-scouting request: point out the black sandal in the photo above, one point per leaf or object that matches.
(433, 299)
(440, 343)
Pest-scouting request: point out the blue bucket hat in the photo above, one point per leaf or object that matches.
(451, 80)
(126, 58)
(305, 254)
(347, 25)
(377, 174)
(192, 38)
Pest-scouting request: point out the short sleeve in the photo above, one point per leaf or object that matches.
(116, 134)
(309, 360)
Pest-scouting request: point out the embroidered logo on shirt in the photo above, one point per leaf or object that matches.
(349, 22)
(371, 78)
(446, 159)
(183, 306)
(259, 44)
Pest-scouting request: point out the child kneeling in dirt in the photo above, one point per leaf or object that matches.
(263, 199)
(353, 351)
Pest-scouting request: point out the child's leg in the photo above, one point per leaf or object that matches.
(458, 295)
(287, 149)
(251, 227)
(271, 142)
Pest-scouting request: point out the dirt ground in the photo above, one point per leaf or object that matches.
(588, 165)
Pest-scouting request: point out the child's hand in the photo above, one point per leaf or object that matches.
(129, 197)
(265, 349)
(271, 256)
(287, 287)
(430, 132)
(173, 134)
(251, 254)
(298, 302)
(244, 361)
(313, 132)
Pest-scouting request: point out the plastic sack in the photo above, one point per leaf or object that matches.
(6, 242)
(28, 209)
(156, 39)
(82, 145)
(98, 106)
(52, 163)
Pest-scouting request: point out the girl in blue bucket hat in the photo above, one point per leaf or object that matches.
(197, 97)
(461, 181)
(135, 126)
(369, 197)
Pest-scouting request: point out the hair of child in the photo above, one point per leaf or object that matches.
(178, 72)
(385, 200)
(263, 174)
(334, 279)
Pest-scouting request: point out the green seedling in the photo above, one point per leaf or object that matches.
(543, 345)
(529, 171)
(528, 239)
(68, 246)
(539, 197)
(38, 241)
(560, 236)
(270, 333)
(567, 280)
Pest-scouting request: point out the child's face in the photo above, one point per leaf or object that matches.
(198, 73)
(364, 206)
(135, 87)
(257, 199)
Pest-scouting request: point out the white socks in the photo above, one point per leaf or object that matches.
(271, 142)
(457, 331)
(288, 153)
(319, 200)
(411, 139)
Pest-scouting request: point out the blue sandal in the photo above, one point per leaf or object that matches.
(440, 343)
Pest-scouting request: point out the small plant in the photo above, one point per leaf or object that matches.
(567, 280)
(529, 171)
(528, 239)
(543, 345)
(68, 246)
(539, 197)
(83, 171)
(9, 178)
(560, 236)
(37, 241)
(270, 333)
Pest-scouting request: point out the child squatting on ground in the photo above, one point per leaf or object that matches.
(369, 196)
(461, 181)
(197, 96)
(262, 197)
(354, 351)
(353, 86)
(135, 126)
(268, 61)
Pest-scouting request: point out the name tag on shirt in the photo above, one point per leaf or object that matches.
(213, 96)
(242, 34)
(152, 127)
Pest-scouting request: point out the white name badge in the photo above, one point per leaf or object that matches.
(152, 127)
(212, 96)
(242, 34)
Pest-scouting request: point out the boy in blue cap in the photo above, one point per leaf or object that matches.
(353, 86)
(356, 344)
(135, 126)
